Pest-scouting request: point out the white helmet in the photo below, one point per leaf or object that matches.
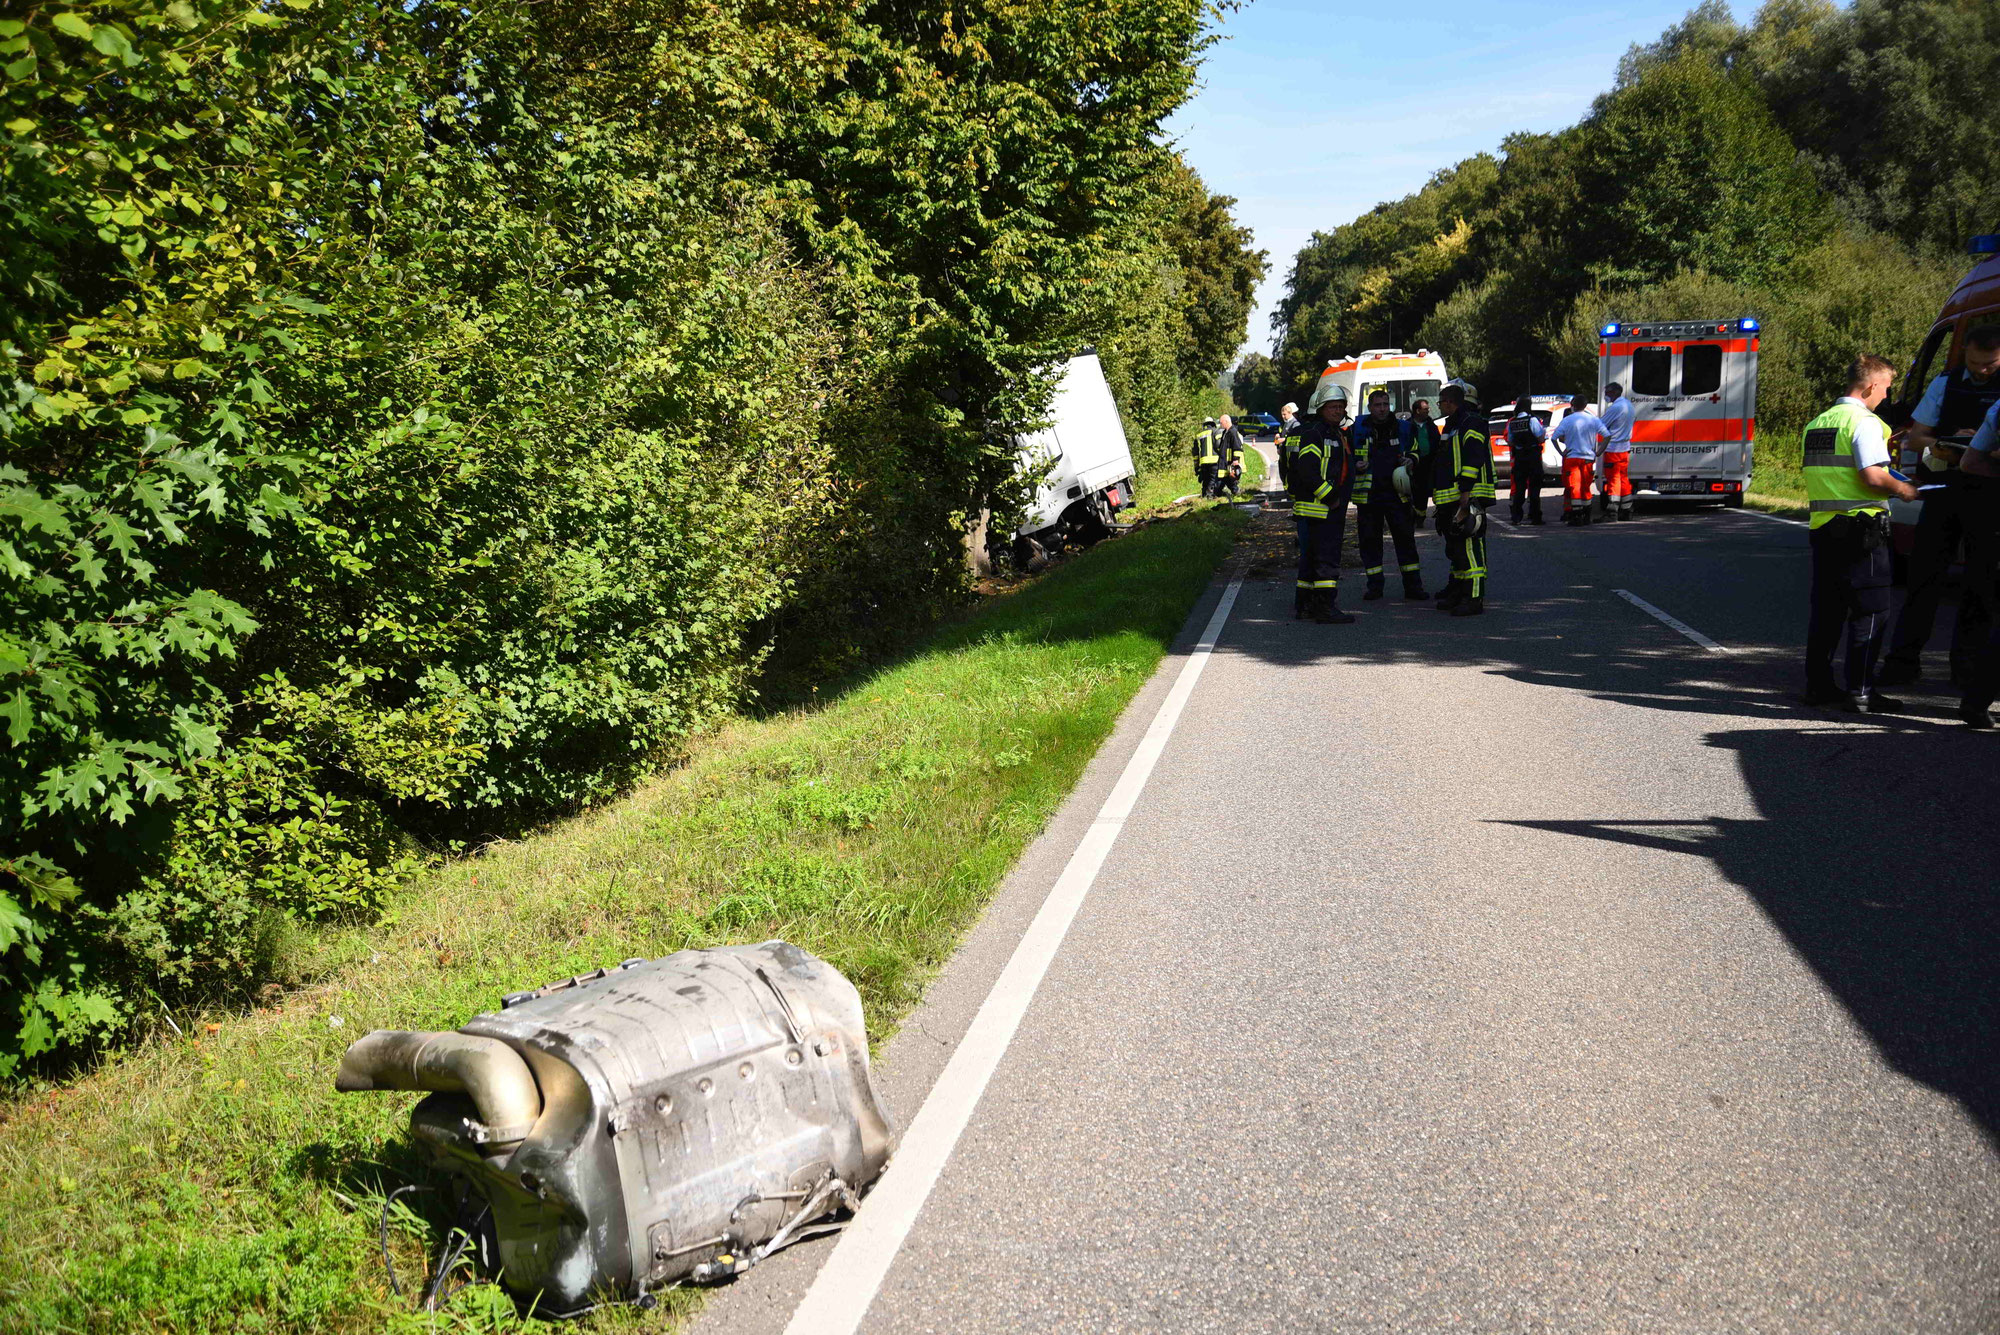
(1464, 387)
(1291, 408)
(1401, 477)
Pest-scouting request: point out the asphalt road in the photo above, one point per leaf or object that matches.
(1538, 972)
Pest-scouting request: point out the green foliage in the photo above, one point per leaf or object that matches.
(1808, 168)
(423, 418)
(1256, 385)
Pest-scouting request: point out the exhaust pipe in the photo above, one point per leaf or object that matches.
(499, 1082)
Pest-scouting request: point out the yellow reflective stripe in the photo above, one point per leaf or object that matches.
(1324, 584)
(1322, 491)
(1309, 509)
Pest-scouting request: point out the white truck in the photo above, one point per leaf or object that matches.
(1090, 474)
(1693, 386)
(1407, 376)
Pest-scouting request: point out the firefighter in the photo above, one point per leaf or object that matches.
(1981, 501)
(1207, 455)
(1953, 405)
(1382, 444)
(1462, 485)
(1423, 444)
(1229, 467)
(1578, 434)
(1322, 479)
(1846, 450)
(1617, 456)
(1289, 427)
(1525, 434)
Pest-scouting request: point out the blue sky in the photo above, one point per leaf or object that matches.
(1312, 114)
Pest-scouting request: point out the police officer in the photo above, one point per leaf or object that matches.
(1846, 450)
(1462, 485)
(1321, 481)
(1229, 468)
(1381, 444)
(1953, 404)
(1981, 463)
(1207, 456)
(1289, 427)
(1525, 434)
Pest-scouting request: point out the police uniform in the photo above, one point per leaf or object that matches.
(1380, 448)
(1462, 468)
(1207, 455)
(1525, 434)
(1953, 404)
(1321, 482)
(1850, 549)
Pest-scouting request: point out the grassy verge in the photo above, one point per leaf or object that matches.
(216, 1182)
(1159, 488)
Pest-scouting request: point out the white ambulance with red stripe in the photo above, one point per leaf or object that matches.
(1693, 387)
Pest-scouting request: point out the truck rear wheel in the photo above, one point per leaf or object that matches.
(1030, 557)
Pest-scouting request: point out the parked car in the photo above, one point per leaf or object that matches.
(1260, 425)
(1549, 409)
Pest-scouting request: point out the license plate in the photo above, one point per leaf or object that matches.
(1664, 487)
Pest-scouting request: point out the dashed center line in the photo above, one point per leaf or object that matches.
(1673, 622)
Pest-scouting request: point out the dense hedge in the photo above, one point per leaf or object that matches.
(425, 416)
(1819, 167)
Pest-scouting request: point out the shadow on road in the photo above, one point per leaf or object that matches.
(1899, 914)
(1873, 851)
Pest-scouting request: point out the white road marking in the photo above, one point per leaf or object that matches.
(847, 1284)
(1680, 626)
(1776, 519)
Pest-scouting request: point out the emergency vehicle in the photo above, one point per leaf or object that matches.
(1407, 376)
(1549, 409)
(1975, 301)
(1693, 387)
(1090, 473)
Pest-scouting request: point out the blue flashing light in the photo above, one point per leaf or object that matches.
(1610, 330)
(1989, 244)
(1749, 326)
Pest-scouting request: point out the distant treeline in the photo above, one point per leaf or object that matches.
(1820, 168)
(424, 416)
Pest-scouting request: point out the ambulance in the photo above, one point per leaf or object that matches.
(1693, 387)
(1407, 376)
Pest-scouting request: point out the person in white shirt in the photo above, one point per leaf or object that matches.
(1579, 434)
(1617, 458)
(1981, 461)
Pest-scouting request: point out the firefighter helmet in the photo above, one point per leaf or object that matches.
(1401, 479)
(1464, 387)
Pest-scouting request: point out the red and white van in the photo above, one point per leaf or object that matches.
(1693, 387)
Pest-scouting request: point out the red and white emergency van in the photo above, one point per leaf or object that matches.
(1407, 376)
(1693, 387)
(1549, 410)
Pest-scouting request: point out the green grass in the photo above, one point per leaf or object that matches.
(217, 1183)
(1159, 488)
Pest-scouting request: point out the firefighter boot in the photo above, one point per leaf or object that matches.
(1301, 600)
(1374, 589)
(1471, 607)
(1326, 609)
(1451, 597)
(1413, 587)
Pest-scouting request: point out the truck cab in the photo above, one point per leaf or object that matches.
(1693, 387)
(1089, 474)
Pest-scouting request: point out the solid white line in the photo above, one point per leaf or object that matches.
(1776, 519)
(1680, 626)
(846, 1285)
